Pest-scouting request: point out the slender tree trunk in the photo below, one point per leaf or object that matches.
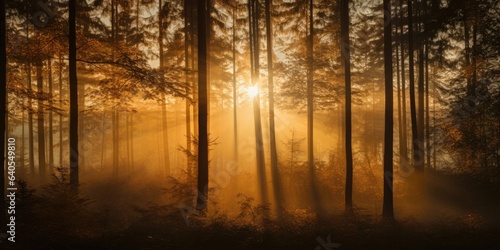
(421, 119)
(235, 97)
(474, 53)
(81, 123)
(427, 111)
(166, 151)
(272, 133)
(202, 199)
(73, 98)
(346, 55)
(310, 90)
(404, 145)
(467, 51)
(187, 46)
(254, 13)
(40, 125)
(388, 211)
(103, 141)
(127, 132)
(116, 142)
(51, 129)
(31, 151)
(23, 144)
(434, 156)
(60, 115)
(400, 125)
(209, 62)
(116, 115)
(416, 154)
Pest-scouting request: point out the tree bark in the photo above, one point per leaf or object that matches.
(400, 125)
(188, 45)
(60, 115)
(427, 111)
(202, 197)
(40, 125)
(73, 90)
(235, 97)
(421, 119)
(345, 46)
(31, 151)
(51, 120)
(387, 210)
(404, 145)
(254, 14)
(166, 151)
(272, 133)
(413, 112)
(310, 90)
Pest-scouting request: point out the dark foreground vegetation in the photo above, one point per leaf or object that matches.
(444, 216)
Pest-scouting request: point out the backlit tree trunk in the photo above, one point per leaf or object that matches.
(73, 99)
(387, 210)
(202, 198)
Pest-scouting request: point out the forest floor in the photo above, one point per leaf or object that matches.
(451, 213)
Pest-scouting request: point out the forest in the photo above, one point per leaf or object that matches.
(250, 124)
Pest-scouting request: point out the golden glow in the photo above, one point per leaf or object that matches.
(253, 91)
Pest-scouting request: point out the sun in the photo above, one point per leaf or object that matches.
(253, 91)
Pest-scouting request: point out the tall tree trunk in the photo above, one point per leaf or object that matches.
(419, 162)
(388, 211)
(23, 144)
(254, 14)
(346, 55)
(81, 122)
(194, 77)
(40, 125)
(127, 132)
(474, 53)
(400, 125)
(404, 142)
(51, 129)
(310, 89)
(272, 133)
(116, 142)
(413, 111)
(115, 116)
(73, 98)
(188, 44)
(31, 151)
(3, 106)
(427, 111)
(202, 199)
(467, 51)
(60, 115)
(235, 97)
(131, 117)
(166, 151)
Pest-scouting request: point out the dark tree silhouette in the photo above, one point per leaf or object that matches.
(253, 16)
(388, 211)
(166, 156)
(272, 133)
(202, 199)
(413, 110)
(344, 23)
(73, 99)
